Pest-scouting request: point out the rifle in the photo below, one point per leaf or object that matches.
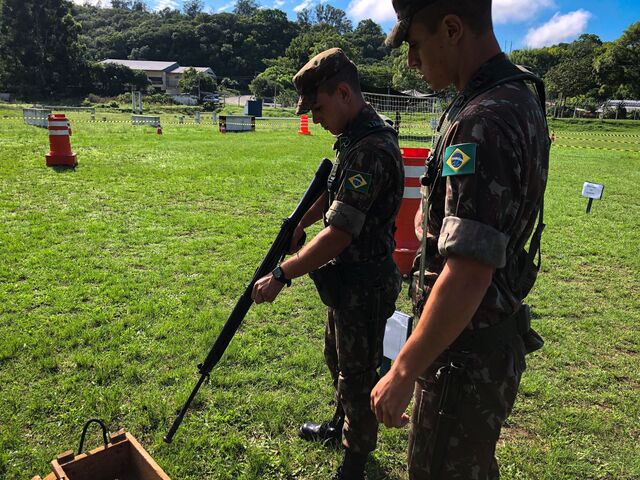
(275, 255)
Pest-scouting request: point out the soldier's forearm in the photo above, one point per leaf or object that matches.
(452, 303)
(314, 214)
(325, 246)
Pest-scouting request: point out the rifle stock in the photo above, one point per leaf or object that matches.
(276, 253)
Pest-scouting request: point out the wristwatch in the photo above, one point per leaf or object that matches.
(278, 274)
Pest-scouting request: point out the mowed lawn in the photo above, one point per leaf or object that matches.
(116, 277)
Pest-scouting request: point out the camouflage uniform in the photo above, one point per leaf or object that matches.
(487, 214)
(365, 191)
(360, 286)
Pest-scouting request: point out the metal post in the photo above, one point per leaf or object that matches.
(589, 205)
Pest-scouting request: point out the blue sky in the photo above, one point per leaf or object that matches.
(518, 23)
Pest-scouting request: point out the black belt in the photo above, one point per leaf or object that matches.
(485, 340)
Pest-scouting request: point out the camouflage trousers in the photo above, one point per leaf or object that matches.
(353, 352)
(484, 401)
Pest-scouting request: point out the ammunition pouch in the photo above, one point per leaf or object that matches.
(337, 283)
(488, 339)
(328, 283)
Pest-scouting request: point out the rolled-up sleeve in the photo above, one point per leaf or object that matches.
(345, 217)
(461, 236)
(366, 172)
(481, 207)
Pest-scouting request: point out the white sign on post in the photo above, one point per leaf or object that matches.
(592, 190)
(395, 334)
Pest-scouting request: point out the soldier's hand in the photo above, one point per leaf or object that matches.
(390, 399)
(266, 289)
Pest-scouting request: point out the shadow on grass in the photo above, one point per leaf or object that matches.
(375, 471)
(63, 168)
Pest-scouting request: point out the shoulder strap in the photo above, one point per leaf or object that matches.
(500, 72)
(382, 127)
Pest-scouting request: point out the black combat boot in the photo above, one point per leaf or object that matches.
(328, 431)
(352, 467)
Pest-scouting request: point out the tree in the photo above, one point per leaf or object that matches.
(310, 43)
(618, 66)
(376, 75)
(192, 8)
(246, 8)
(326, 15)
(111, 79)
(538, 60)
(121, 4)
(574, 74)
(194, 82)
(405, 78)
(39, 48)
(368, 42)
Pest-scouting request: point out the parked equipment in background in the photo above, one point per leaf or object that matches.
(152, 120)
(120, 457)
(253, 108)
(136, 102)
(276, 253)
(406, 241)
(60, 154)
(38, 117)
(237, 123)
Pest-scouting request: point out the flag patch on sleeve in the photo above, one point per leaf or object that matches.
(357, 181)
(460, 159)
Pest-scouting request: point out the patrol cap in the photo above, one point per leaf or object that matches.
(316, 72)
(405, 10)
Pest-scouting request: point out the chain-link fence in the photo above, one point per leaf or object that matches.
(609, 109)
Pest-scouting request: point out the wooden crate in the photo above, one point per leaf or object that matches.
(123, 458)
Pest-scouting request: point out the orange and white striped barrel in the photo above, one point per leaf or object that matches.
(407, 243)
(60, 153)
(304, 125)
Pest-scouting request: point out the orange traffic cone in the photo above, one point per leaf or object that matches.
(407, 243)
(60, 153)
(304, 125)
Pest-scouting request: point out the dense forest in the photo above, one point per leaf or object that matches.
(51, 48)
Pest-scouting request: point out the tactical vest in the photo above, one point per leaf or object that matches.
(503, 71)
(344, 145)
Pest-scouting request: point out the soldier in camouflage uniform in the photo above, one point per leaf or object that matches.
(350, 259)
(485, 181)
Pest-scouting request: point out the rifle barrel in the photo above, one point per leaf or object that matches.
(277, 251)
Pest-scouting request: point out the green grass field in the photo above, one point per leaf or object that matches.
(116, 277)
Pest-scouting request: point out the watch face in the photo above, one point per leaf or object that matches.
(278, 274)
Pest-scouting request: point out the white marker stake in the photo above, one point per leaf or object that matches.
(592, 191)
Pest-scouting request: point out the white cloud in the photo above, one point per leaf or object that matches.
(559, 29)
(278, 3)
(506, 11)
(226, 6)
(101, 3)
(162, 4)
(302, 6)
(377, 10)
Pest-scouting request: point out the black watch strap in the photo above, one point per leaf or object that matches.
(278, 274)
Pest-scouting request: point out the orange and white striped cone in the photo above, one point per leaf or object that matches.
(304, 125)
(407, 243)
(60, 153)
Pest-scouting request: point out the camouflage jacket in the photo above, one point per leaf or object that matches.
(487, 189)
(366, 187)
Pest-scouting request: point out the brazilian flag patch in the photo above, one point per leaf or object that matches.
(459, 159)
(357, 181)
